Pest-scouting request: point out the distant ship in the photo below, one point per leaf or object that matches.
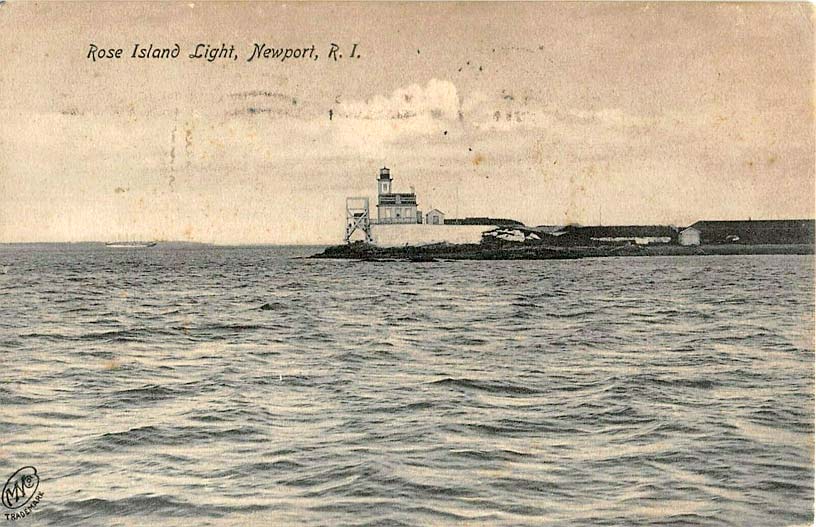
(129, 245)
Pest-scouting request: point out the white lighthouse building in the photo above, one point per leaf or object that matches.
(394, 207)
(400, 223)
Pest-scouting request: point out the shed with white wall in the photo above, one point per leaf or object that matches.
(690, 236)
(435, 217)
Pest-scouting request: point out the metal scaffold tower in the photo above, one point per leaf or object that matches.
(358, 217)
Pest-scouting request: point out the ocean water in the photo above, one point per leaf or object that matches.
(151, 387)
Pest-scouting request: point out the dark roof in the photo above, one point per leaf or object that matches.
(754, 225)
(481, 221)
(756, 232)
(408, 198)
(625, 231)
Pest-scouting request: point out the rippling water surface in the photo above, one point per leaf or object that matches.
(150, 386)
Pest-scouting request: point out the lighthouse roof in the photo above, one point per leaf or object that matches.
(397, 198)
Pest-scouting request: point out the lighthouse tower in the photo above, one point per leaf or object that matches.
(384, 181)
(394, 207)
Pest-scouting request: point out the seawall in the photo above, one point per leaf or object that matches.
(400, 235)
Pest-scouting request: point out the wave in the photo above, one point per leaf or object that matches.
(495, 387)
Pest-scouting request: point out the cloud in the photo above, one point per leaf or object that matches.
(438, 100)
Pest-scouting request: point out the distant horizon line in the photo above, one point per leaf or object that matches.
(168, 242)
(319, 244)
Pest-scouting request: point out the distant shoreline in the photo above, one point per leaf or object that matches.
(97, 242)
(428, 253)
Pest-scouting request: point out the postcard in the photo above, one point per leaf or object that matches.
(416, 263)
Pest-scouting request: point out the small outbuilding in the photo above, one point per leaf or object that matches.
(690, 236)
(435, 217)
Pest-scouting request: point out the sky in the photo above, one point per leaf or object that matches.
(548, 113)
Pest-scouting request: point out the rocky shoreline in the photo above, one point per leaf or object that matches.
(431, 253)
